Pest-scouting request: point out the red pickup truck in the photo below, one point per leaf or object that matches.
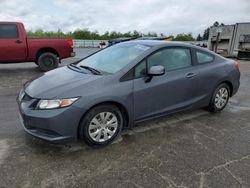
(45, 52)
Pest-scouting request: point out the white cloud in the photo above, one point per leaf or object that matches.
(161, 16)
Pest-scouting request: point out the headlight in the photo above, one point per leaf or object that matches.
(56, 103)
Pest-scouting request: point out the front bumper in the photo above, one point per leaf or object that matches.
(43, 134)
(57, 125)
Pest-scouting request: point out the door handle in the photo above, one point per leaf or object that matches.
(18, 41)
(190, 75)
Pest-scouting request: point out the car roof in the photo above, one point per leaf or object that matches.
(155, 43)
(121, 39)
(162, 44)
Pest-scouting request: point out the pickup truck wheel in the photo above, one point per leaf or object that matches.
(47, 61)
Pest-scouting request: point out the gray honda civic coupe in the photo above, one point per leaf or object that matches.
(111, 90)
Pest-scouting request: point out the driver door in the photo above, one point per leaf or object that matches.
(168, 92)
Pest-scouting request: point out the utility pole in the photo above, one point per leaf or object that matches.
(219, 30)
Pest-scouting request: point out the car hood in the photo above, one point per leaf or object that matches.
(53, 83)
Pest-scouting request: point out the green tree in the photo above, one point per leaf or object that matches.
(199, 38)
(152, 34)
(84, 33)
(206, 34)
(105, 36)
(184, 37)
(207, 30)
(216, 24)
(136, 34)
(128, 34)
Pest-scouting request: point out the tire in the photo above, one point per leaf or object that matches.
(219, 98)
(100, 121)
(47, 61)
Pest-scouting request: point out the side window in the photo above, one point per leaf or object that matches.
(140, 70)
(171, 58)
(203, 57)
(8, 31)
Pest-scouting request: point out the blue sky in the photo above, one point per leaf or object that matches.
(161, 16)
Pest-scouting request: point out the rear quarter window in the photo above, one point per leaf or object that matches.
(203, 57)
(8, 31)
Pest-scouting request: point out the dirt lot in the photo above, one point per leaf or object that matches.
(191, 149)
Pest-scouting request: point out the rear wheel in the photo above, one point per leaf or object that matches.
(101, 125)
(220, 98)
(47, 61)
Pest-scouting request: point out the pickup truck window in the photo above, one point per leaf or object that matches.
(8, 31)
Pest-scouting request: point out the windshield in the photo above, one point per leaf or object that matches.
(114, 58)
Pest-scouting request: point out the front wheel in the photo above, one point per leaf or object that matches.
(101, 125)
(220, 98)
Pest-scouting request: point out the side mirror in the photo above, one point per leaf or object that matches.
(156, 70)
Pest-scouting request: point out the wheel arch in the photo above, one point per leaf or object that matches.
(44, 50)
(230, 85)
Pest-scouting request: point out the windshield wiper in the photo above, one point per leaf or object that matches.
(94, 71)
(74, 65)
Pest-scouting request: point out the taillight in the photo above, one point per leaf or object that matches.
(237, 65)
(70, 43)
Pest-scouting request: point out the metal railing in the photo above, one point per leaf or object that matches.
(88, 43)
